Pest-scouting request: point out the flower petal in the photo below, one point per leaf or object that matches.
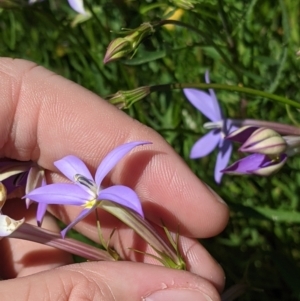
(113, 157)
(63, 194)
(256, 164)
(206, 144)
(77, 5)
(271, 146)
(215, 103)
(264, 141)
(241, 134)
(82, 215)
(9, 225)
(122, 195)
(71, 166)
(35, 179)
(222, 159)
(42, 207)
(247, 164)
(203, 102)
(9, 171)
(40, 213)
(229, 127)
(271, 167)
(9, 184)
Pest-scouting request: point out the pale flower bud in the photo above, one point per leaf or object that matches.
(273, 168)
(264, 141)
(121, 47)
(125, 99)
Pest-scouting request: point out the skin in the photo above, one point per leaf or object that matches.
(45, 117)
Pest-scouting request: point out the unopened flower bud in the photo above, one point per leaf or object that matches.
(121, 47)
(275, 165)
(118, 48)
(242, 134)
(257, 164)
(264, 141)
(125, 99)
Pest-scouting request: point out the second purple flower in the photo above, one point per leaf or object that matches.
(87, 191)
(220, 127)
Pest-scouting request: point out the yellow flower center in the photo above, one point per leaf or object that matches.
(89, 204)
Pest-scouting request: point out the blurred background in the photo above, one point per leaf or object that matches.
(254, 44)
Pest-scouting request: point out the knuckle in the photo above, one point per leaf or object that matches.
(84, 285)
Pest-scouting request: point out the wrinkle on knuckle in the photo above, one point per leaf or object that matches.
(27, 85)
(46, 289)
(12, 74)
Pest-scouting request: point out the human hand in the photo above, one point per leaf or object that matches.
(45, 117)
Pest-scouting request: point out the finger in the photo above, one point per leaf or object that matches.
(20, 257)
(131, 247)
(45, 117)
(109, 281)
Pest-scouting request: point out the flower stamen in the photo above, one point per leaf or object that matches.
(213, 125)
(85, 182)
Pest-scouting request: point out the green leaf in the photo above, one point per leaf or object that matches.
(147, 56)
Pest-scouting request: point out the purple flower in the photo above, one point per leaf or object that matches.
(268, 147)
(86, 191)
(220, 127)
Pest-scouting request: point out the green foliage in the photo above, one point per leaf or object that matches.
(247, 43)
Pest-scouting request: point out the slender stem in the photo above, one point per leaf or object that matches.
(284, 48)
(42, 236)
(226, 26)
(88, 51)
(231, 45)
(291, 116)
(283, 129)
(250, 91)
(202, 33)
(90, 7)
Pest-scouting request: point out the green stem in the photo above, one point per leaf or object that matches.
(88, 51)
(90, 7)
(226, 26)
(250, 91)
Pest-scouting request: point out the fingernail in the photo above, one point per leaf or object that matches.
(215, 194)
(177, 295)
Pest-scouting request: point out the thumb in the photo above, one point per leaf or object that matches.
(109, 281)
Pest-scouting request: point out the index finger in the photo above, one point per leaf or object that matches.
(45, 117)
